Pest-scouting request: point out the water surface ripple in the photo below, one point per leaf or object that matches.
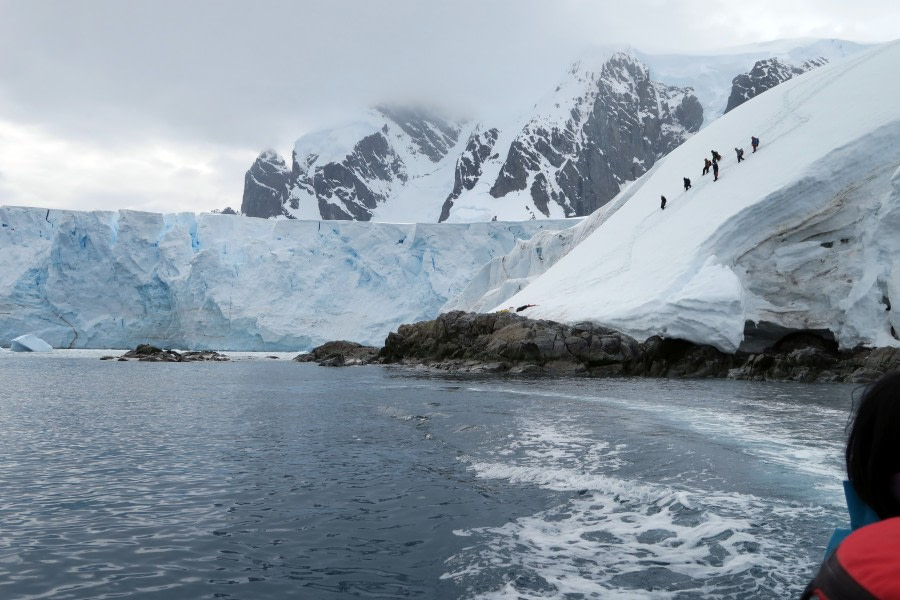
(270, 479)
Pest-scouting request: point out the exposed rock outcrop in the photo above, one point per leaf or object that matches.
(818, 362)
(266, 186)
(148, 353)
(508, 343)
(340, 354)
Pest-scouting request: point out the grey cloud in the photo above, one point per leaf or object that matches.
(230, 71)
(256, 74)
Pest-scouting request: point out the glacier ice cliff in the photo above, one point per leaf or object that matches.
(117, 279)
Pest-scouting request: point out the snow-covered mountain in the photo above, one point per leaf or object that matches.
(802, 235)
(614, 113)
(371, 168)
(604, 125)
(118, 279)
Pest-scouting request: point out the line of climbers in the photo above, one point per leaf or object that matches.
(714, 163)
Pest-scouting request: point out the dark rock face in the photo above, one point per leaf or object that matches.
(819, 361)
(683, 359)
(340, 354)
(266, 186)
(148, 353)
(689, 113)
(347, 190)
(468, 165)
(374, 170)
(508, 343)
(622, 126)
(765, 75)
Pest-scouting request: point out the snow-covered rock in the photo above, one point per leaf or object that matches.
(119, 279)
(470, 165)
(800, 236)
(29, 343)
(765, 75)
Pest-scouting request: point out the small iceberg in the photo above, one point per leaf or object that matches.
(29, 343)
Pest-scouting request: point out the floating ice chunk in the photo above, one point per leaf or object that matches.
(29, 343)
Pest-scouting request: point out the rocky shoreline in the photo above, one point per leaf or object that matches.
(508, 343)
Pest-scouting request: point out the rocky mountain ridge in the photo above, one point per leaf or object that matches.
(607, 122)
(606, 125)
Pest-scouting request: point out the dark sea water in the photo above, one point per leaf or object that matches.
(265, 478)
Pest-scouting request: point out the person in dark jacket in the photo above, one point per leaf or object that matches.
(706, 165)
(662, 202)
(872, 487)
(873, 448)
(716, 157)
(715, 171)
(754, 141)
(687, 184)
(740, 153)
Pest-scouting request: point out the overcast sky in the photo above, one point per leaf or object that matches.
(162, 105)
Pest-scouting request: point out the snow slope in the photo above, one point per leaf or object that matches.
(117, 279)
(800, 236)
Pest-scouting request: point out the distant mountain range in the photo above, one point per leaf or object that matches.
(613, 115)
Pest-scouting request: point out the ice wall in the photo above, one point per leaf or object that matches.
(117, 279)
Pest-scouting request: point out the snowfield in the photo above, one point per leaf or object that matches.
(802, 235)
